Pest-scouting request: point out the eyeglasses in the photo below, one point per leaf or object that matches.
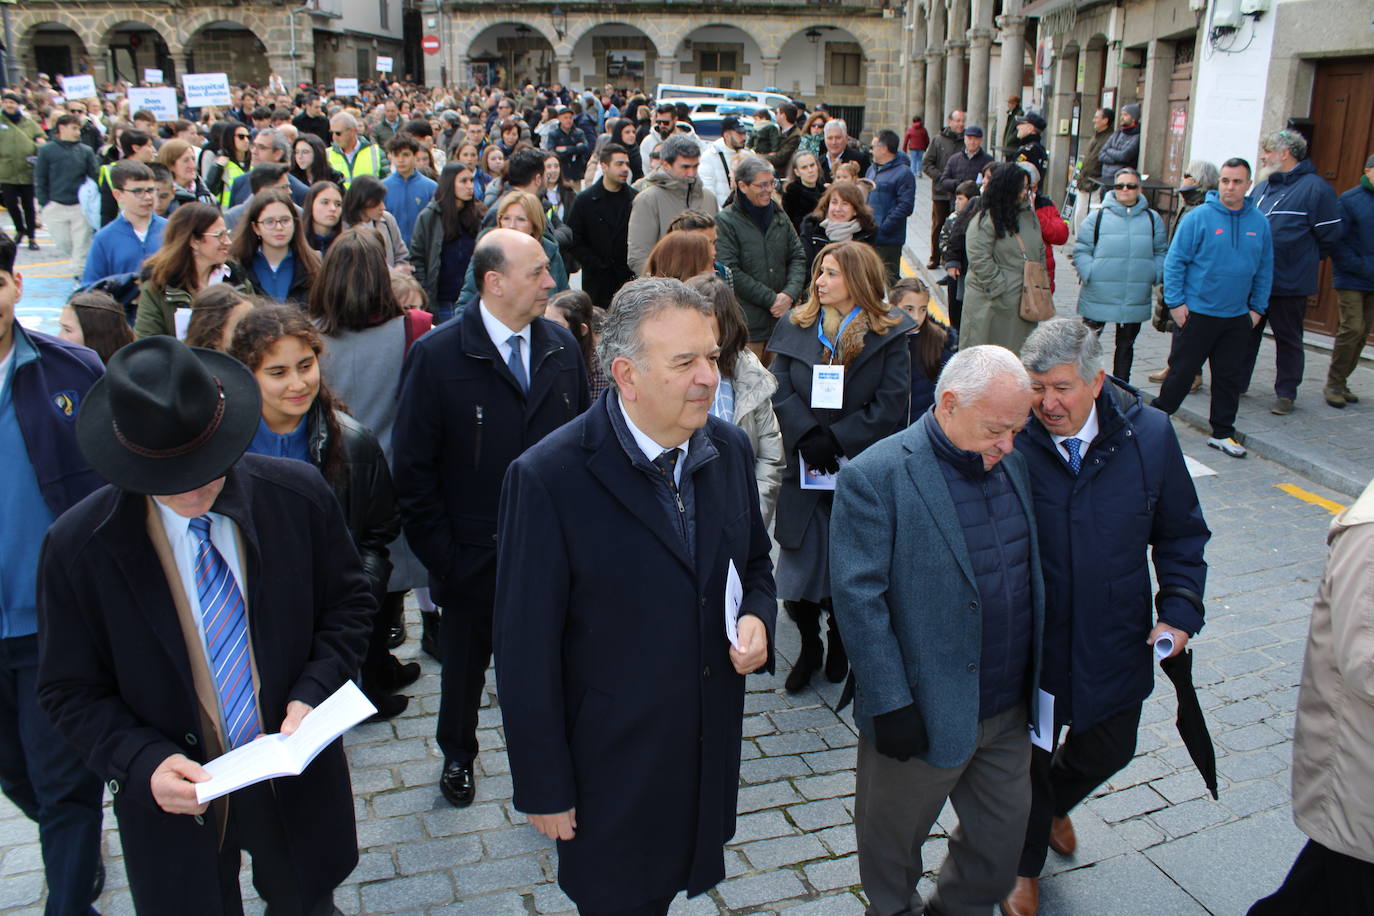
(141, 192)
(218, 236)
(764, 185)
(1126, 187)
(276, 222)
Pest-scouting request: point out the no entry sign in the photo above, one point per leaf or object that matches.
(430, 44)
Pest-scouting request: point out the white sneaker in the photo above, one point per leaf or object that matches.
(1229, 446)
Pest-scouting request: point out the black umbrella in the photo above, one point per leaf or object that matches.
(1192, 727)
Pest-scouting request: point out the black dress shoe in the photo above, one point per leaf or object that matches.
(395, 635)
(429, 634)
(393, 675)
(457, 783)
(389, 705)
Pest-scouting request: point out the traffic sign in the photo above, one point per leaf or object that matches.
(430, 44)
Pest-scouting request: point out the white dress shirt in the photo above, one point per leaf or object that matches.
(652, 449)
(1085, 435)
(500, 335)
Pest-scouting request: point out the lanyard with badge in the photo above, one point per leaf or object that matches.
(827, 381)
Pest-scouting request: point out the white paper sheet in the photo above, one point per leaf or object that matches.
(1043, 736)
(1163, 646)
(812, 479)
(734, 597)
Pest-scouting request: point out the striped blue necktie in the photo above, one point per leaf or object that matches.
(223, 617)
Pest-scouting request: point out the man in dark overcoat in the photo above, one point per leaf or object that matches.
(475, 393)
(621, 695)
(133, 666)
(1111, 490)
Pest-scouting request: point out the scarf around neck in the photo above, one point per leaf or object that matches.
(838, 231)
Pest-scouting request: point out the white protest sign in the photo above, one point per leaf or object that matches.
(383, 65)
(79, 87)
(345, 86)
(161, 102)
(206, 89)
(152, 76)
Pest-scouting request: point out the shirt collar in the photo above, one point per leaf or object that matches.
(647, 445)
(497, 329)
(1085, 435)
(176, 525)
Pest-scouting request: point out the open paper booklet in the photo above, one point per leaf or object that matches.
(286, 755)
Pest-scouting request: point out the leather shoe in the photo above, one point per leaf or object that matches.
(458, 784)
(1062, 838)
(1024, 899)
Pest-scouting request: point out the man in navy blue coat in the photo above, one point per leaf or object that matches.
(475, 393)
(1111, 489)
(621, 694)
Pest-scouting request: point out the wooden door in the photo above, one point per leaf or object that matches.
(1343, 137)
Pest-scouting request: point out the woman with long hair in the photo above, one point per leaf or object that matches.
(355, 307)
(364, 204)
(233, 159)
(215, 312)
(558, 190)
(271, 247)
(841, 214)
(680, 255)
(573, 309)
(93, 319)
(322, 215)
(444, 237)
(842, 320)
(492, 165)
(931, 343)
(310, 163)
(744, 395)
(470, 155)
(1005, 225)
(302, 419)
(182, 160)
(803, 189)
(194, 255)
(520, 210)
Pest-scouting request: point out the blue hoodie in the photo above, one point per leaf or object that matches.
(1221, 261)
(406, 197)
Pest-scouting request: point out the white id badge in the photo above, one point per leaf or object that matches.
(827, 387)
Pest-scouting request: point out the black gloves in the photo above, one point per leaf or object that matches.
(900, 734)
(821, 450)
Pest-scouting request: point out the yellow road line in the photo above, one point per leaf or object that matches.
(935, 308)
(1306, 496)
(24, 267)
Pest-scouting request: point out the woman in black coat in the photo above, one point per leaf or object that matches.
(843, 321)
(840, 215)
(301, 420)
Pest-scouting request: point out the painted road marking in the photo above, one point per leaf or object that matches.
(1197, 469)
(1307, 496)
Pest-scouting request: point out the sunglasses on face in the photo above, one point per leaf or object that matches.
(240, 136)
(1126, 187)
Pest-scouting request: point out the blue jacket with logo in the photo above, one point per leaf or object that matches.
(1221, 261)
(1305, 223)
(42, 467)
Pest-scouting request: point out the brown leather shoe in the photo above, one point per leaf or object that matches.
(1024, 899)
(1062, 838)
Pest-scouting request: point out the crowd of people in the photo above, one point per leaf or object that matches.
(563, 370)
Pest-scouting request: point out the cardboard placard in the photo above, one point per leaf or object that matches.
(161, 102)
(79, 87)
(206, 89)
(384, 65)
(151, 75)
(345, 85)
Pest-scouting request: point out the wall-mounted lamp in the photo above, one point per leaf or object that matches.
(560, 22)
(813, 35)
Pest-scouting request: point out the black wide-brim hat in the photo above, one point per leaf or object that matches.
(167, 418)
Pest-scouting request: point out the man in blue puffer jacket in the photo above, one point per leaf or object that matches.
(1216, 284)
(893, 198)
(1353, 279)
(1111, 492)
(1305, 223)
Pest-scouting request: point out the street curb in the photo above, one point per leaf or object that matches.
(1344, 477)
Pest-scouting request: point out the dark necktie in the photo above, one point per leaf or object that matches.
(1075, 449)
(667, 465)
(516, 364)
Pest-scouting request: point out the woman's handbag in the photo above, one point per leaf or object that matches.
(1037, 301)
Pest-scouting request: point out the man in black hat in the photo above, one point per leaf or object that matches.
(42, 383)
(203, 598)
(1029, 127)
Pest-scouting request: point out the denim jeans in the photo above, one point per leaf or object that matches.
(47, 780)
(916, 156)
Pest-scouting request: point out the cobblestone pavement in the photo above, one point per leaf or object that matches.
(1149, 841)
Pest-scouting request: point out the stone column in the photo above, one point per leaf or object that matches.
(915, 69)
(1013, 66)
(665, 70)
(180, 66)
(980, 60)
(956, 48)
(935, 71)
(564, 67)
(770, 71)
(1154, 107)
(1059, 107)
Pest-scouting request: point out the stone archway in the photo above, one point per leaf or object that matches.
(617, 53)
(722, 56)
(510, 54)
(131, 46)
(226, 46)
(58, 45)
(827, 64)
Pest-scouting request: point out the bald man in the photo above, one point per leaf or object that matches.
(351, 154)
(476, 392)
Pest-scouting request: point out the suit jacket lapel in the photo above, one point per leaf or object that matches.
(543, 372)
(934, 492)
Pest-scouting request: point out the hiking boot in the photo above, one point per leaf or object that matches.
(1334, 396)
(1282, 407)
(1228, 446)
(1349, 396)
